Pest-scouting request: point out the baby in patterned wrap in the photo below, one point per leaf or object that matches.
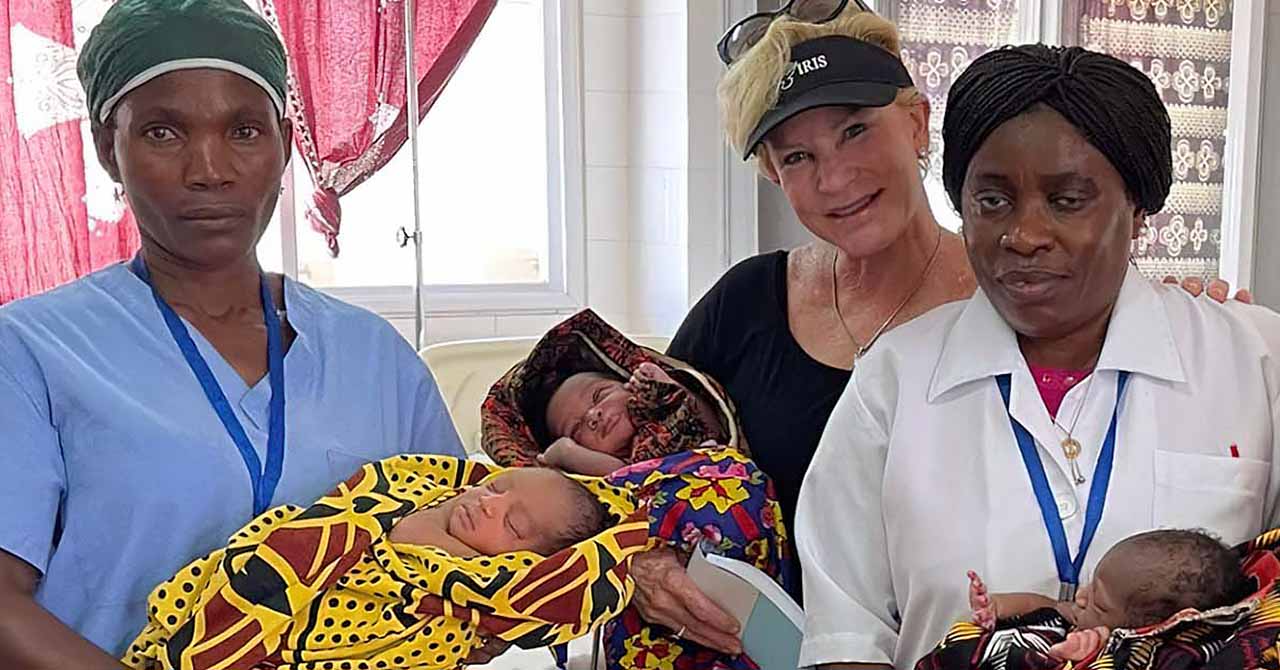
(588, 401)
(407, 564)
(1140, 582)
(592, 416)
(525, 509)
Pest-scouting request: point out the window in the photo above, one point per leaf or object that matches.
(1189, 50)
(497, 187)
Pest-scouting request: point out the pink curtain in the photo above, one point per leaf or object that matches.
(347, 92)
(60, 217)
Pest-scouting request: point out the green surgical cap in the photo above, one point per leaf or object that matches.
(139, 40)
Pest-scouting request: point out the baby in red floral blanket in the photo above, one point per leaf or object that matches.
(592, 417)
(588, 400)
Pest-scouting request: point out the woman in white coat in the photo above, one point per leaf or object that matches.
(1067, 405)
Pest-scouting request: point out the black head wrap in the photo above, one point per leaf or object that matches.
(1111, 103)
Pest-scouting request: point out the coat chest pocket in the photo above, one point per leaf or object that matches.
(1223, 495)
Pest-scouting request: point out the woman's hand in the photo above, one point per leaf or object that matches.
(666, 596)
(1218, 289)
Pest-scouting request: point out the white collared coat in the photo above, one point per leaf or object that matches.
(918, 477)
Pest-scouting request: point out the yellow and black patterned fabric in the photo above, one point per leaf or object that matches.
(324, 587)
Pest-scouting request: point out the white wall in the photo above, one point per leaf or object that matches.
(1266, 264)
(709, 228)
(607, 44)
(655, 188)
(659, 136)
(779, 227)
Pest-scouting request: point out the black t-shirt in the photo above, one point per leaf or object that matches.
(738, 333)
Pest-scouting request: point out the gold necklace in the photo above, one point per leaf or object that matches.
(1070, 445)
(835, 301)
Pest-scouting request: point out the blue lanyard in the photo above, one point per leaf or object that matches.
(264, 481)
(1068, 570)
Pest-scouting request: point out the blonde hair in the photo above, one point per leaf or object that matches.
(750, 87)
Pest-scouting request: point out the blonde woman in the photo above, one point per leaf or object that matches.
(817, 96)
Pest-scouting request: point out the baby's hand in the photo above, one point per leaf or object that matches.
(560, 454)
(981, 603)
(649, 372)
(566, 455)
(1081, 645)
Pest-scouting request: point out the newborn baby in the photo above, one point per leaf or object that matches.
(588, 400)
(409, 563)
(592, 417)
(1142, 581)
(525, 509)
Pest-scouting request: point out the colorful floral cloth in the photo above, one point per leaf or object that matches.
(1235, 637)
(324, 587)
(666, 416)
(715, 499)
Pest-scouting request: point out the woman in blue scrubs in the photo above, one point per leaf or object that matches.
(149, 410)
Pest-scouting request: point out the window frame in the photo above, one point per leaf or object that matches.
(565, 287)
(1243, 155)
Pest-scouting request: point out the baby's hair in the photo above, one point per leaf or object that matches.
(590, 517)
(1188, 569)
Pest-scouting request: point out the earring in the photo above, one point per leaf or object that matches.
(118, 193)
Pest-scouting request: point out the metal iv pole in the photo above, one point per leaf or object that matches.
(411, 117)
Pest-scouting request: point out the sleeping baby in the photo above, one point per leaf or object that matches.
(587, 400)
(1140, 582)
(525, 509)
(592, 417)
(405, 565)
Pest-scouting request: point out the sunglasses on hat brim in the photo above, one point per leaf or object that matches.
(742, 35)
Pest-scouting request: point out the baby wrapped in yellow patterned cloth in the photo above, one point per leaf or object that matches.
(400, 567)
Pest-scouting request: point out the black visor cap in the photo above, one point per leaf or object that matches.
(832, 70)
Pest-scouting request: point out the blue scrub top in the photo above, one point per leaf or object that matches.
(117, 471)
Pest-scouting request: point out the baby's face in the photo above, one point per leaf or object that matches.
(519, 510)
(1102, 602)
(591, 409)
